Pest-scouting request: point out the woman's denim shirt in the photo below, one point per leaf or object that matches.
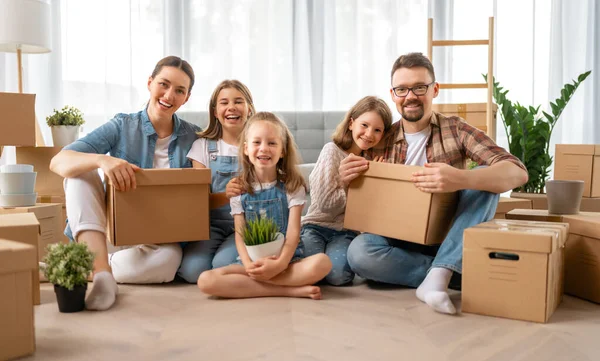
(132, 137)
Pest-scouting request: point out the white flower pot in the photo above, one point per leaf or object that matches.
(266, 249)
(17, 183)
(63, 135)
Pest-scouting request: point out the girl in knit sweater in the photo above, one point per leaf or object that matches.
(322, 231)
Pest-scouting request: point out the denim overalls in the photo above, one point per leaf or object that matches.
(220, 250)
(271, 202)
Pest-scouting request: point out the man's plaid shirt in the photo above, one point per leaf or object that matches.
(452, 141)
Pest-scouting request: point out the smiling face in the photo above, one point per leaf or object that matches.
(169, 90)
(367, 131)
(232, 110)
(413, 108)
(264, 148)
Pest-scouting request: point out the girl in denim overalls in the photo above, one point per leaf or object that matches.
(217, 148)
(274, 187)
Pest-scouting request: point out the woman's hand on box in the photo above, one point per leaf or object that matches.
(350, 168)
(439, 178)
(120, 172)
(233, 188)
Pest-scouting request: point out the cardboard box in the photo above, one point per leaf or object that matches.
(579, 162)
(384, 201)
(17, 119)
(46, 182)
(473, 113)
(506, 204)
(24, 228)
(582, 252)
(17, 336)
(540, 201)
(49, 216)
(63, 213)
(168, 205)
(513, 269)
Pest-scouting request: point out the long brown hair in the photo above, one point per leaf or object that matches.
(287, 166)
(342, 136)
(214, 130)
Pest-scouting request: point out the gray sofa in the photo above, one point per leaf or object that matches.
(311, 130)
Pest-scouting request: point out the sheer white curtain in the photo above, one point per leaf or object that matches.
(310, 54)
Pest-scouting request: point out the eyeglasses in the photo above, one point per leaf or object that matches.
(417, 90)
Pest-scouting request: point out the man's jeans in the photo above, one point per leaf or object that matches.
(398, 262)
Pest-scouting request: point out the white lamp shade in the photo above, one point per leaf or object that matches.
(25, 24)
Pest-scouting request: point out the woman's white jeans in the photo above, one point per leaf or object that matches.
(86, 211)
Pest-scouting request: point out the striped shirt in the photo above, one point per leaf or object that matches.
(452, 141)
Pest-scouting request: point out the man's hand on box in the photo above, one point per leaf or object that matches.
(439, 178)
(120, 172)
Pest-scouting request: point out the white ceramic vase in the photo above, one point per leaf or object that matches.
(266, 249)
(63, 135)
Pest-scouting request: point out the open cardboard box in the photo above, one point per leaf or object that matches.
(582, 252)
(168, 206)
(513, 269)
(384, 201)
(17, 335)
(579, 162)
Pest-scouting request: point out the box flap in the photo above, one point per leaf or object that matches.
(17, 256)
(391, 171)
(171, 176)
(18, 220)
(41, 210)
(534, 215)
(506, 204)
(585, 224)
(527, 236)
(580, 149)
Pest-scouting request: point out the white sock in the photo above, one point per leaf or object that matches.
(434, 290)
(104, 292)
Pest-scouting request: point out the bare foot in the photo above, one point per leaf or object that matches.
(313, 292)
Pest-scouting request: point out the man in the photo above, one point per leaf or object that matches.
(442, 145)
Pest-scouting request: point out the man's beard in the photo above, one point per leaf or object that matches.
(415, 115)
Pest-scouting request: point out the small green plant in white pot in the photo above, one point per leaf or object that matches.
(67, 266)
(262, 238)
(65, 125)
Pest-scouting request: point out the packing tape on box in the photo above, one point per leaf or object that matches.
(505, 227)
(462, 111)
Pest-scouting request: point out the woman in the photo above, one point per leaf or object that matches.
(151, 138)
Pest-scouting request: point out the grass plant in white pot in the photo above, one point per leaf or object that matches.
(65, 124)
(262, 238)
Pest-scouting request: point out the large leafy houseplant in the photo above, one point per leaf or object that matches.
(68, 266)
(528, 131)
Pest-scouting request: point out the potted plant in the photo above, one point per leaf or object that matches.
(67, 266)
(528, 131)
(65, 125)
(262, 238)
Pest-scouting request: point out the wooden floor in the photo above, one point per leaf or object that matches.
(362, 322)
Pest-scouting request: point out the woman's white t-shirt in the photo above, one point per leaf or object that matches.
(199, 151)
(161, 153)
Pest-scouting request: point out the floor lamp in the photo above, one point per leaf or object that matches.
(25, 29)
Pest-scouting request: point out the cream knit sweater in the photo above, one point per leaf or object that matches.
(327, 197)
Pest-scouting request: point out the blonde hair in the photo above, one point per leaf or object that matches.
(214, 130)
(287, 166)
(342, 136)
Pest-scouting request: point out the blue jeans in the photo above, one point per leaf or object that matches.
(317, 239)
(398, 262)
(200, 256)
